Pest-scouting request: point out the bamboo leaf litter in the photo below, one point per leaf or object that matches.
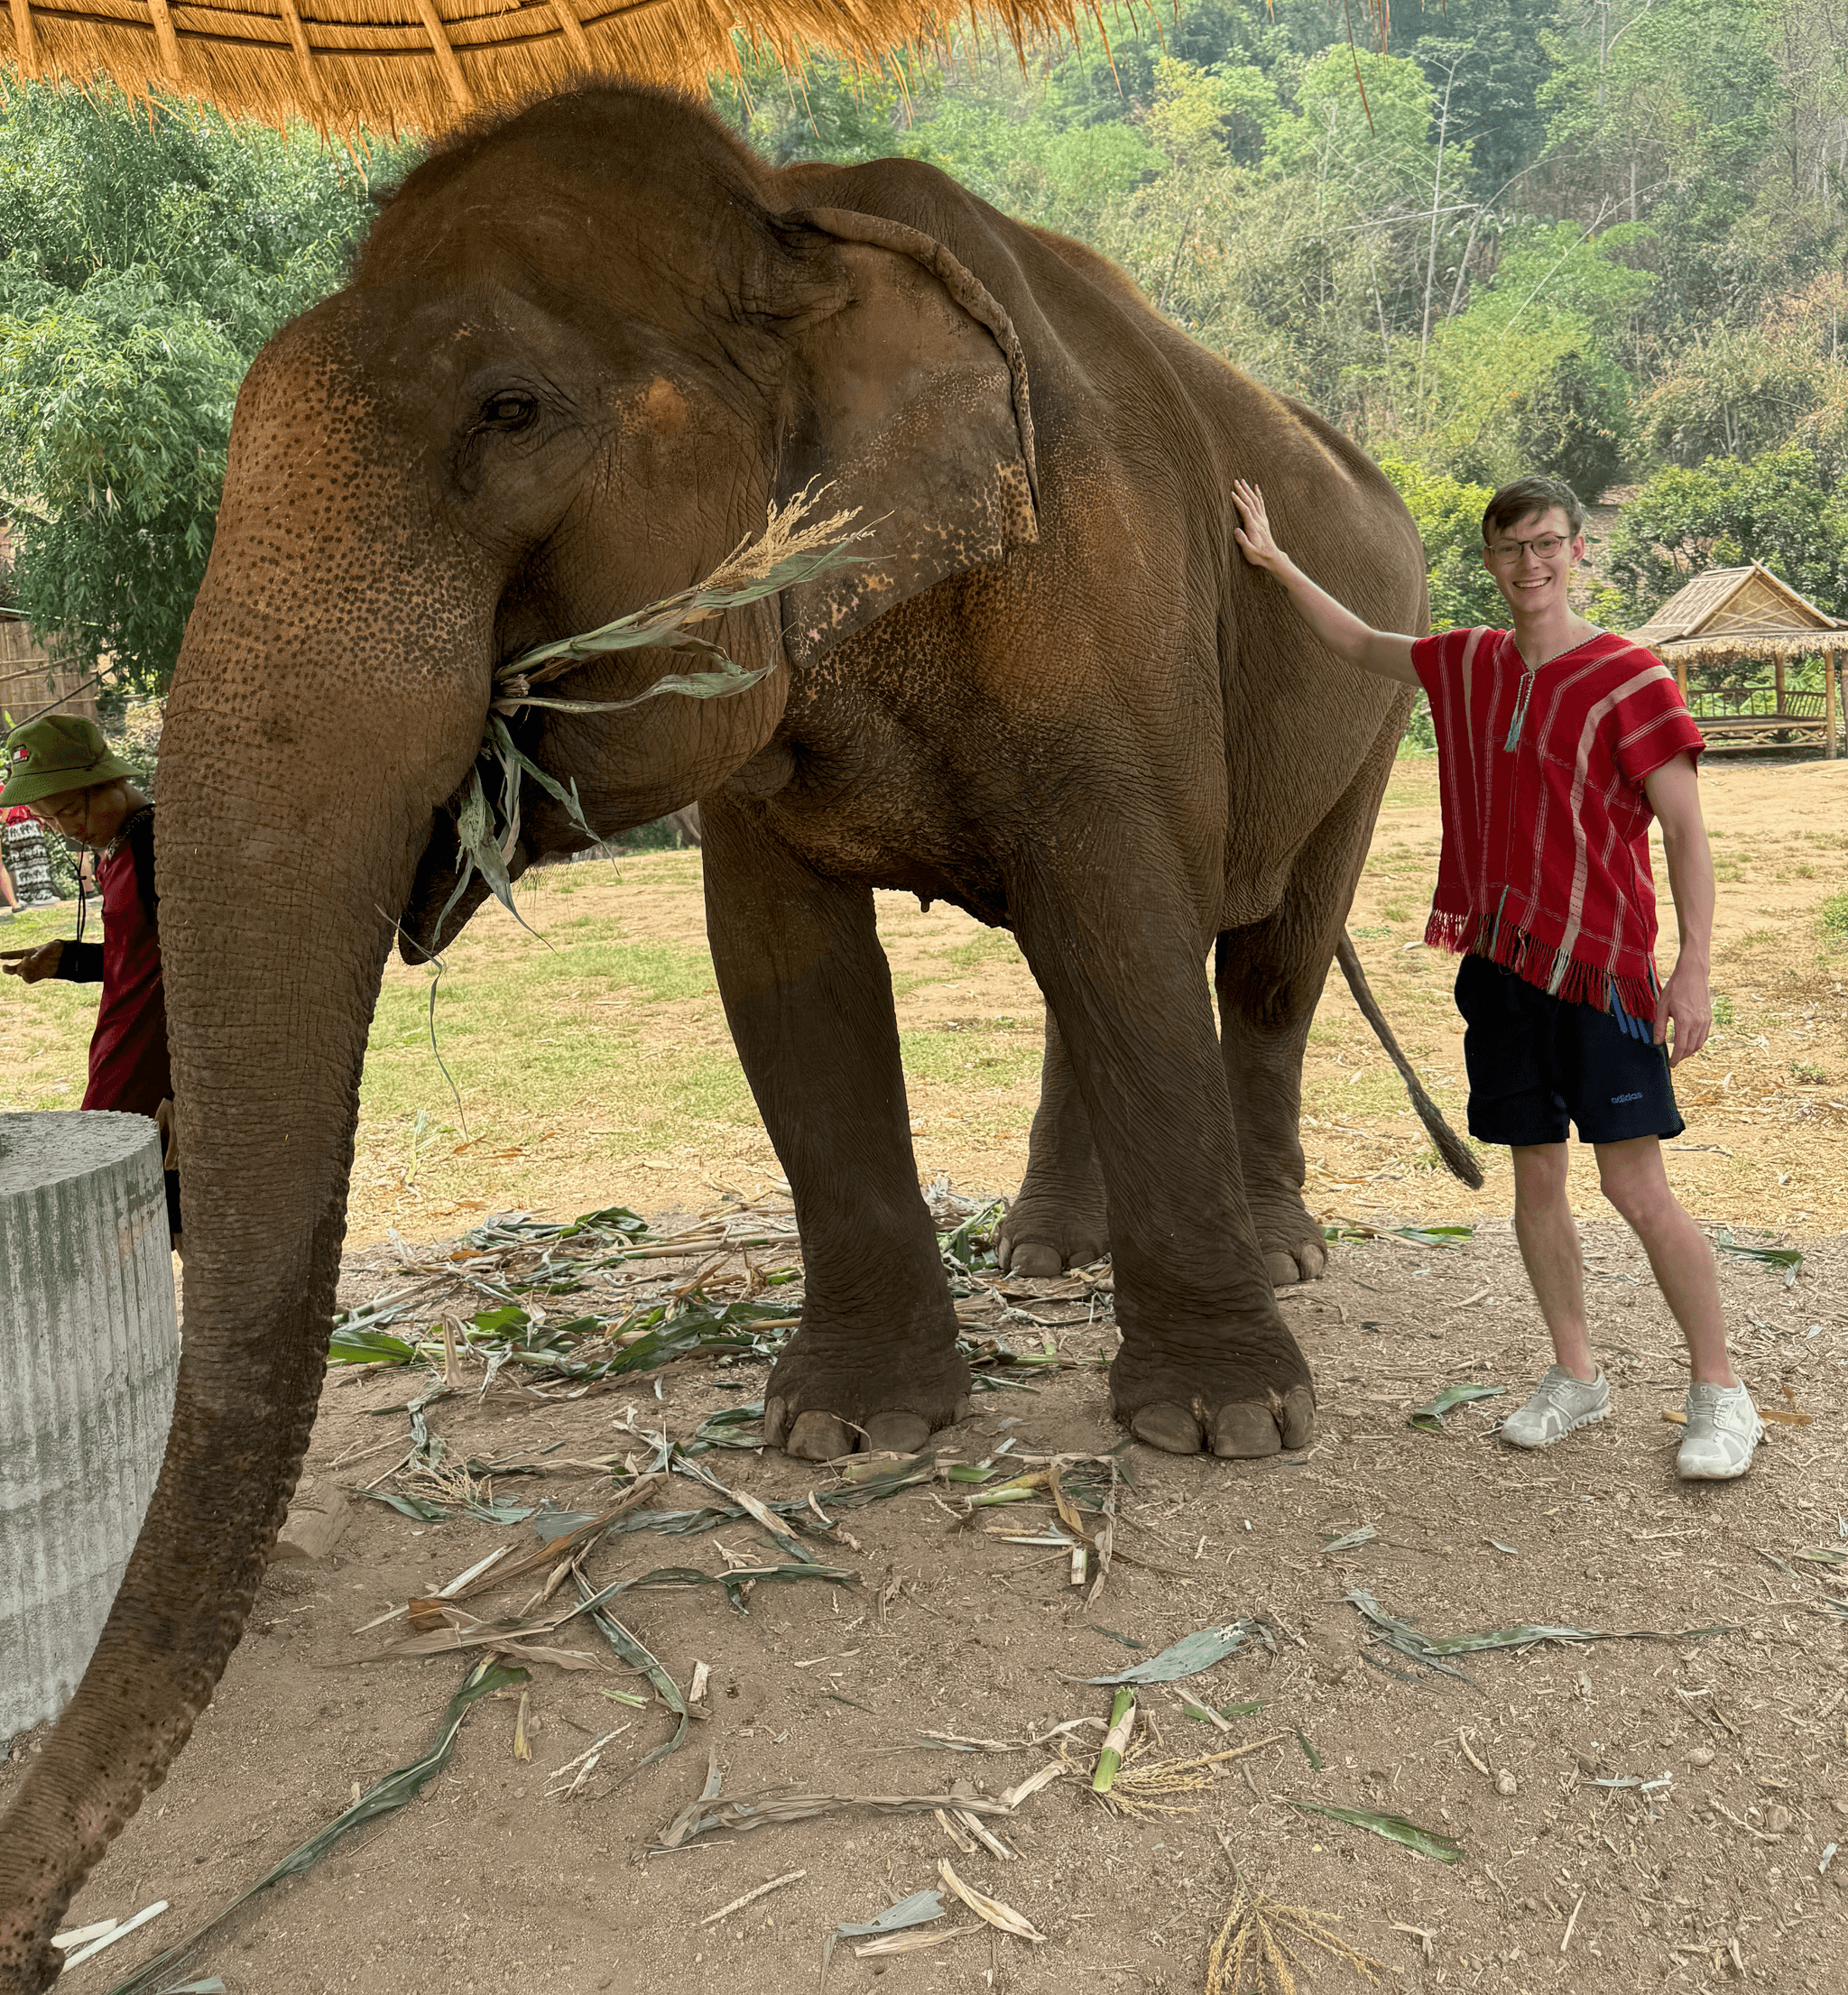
(538, 1296)
(1394, 1828)
(1430, 1651)
(519, 1265)
(1190, 1654)
(1429, 1417)
(394, 1791)
(920, 1908)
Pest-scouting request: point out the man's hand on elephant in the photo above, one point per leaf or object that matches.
(169, 1135)
(1345, 633)
(1255, 540)
(32, 965)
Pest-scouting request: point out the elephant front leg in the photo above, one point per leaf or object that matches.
(1059, 1219)
(809, 996)
(1206, 1361)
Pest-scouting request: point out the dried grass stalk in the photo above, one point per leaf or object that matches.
(745, 1813)
(1140, 1780)
(1253, 1948)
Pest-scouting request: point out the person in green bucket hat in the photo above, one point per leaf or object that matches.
(66, 773)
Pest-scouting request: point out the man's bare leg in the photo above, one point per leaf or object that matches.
(1549, 1237)
(1635, 1181)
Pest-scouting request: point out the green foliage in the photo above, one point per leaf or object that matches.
(1449, 517)
(1491, 53)
(1526, 236)
(1776, 508)
(1521, 379)
(117, 408)
(1737, 391)
(1672, 107)
(147, 253)
(1572, 421)
(1384, 141)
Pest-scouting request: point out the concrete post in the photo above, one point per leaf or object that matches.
(90, 1350)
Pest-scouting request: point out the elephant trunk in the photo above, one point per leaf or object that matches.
(282, 862)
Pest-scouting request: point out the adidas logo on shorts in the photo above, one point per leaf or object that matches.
(1618, 1100)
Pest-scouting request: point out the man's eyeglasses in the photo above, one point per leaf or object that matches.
(1545, 547)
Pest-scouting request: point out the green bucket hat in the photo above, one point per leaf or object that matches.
(56, 752)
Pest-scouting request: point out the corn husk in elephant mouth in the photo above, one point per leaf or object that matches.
(794, 547)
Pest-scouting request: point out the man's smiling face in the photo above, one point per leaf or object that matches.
(1531, 560)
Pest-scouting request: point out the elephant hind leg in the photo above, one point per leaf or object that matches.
(1059, 1219)
(1270, 978)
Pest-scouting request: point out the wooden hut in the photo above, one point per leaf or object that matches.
(1728, 615)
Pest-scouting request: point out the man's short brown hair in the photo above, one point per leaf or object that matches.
(1538, 494)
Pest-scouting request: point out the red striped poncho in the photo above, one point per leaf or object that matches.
(1546, 859)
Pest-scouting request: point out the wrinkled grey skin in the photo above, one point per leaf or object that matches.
(584, 349)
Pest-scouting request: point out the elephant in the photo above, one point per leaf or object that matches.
(584, 348)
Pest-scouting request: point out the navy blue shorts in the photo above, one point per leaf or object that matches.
(1537, 1063)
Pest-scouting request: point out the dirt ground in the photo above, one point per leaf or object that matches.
(493, 1880)
(1721, 1870)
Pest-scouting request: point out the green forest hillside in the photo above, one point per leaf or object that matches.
(1598, 237)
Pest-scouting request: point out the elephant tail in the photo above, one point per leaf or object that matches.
(1450, 1146)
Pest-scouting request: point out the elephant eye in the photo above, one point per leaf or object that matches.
(507, 412)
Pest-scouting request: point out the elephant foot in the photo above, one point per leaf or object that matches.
(1288, 1236)
(822, 1404)
(1232, 1408)
(1044, 1234)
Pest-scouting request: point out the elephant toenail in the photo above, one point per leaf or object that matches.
(1298, 1416)
(1245, 1430)
(818, 1438)
(897, 1433)
(1174, 1429)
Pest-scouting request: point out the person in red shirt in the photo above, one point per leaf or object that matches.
(1558, 743)
(65, 771)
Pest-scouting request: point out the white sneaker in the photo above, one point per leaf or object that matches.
(1722, 1430)
(1560, 1403)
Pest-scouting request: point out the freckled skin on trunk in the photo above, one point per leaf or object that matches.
(581, 353)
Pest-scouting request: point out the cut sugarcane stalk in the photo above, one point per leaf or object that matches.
(1123, 1722)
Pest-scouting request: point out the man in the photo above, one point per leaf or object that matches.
(1557, 744)
(66, 773)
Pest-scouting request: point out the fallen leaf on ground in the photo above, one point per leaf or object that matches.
(1395, 1828)
(1002, 1916)
(1187, 1658)
(1429, 1417)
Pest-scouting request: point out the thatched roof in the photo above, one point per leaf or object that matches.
(424, 64)
(1730, 610)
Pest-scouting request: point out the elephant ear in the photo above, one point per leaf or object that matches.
(911, 404)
